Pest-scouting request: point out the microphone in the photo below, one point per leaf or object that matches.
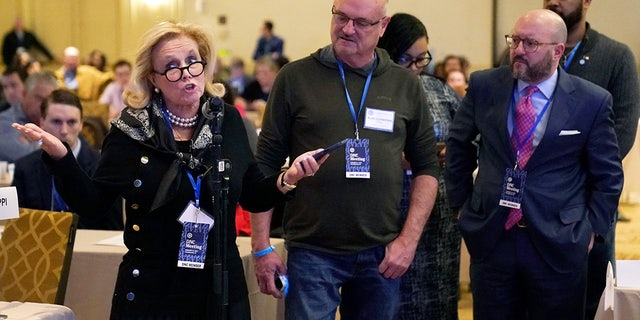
(217, 139)
(212, 107)
(212, 158)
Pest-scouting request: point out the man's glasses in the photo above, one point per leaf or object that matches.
(342, 19)
(420, 62)
(529, 45)
(174, 74)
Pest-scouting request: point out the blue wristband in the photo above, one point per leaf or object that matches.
(263, 252)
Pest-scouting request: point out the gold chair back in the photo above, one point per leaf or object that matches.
(35, 256)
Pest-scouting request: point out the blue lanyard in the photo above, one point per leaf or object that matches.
(570, 57)
(62, 206)
(355, 116)
(196, 184)
(533, 128)
(166, 117)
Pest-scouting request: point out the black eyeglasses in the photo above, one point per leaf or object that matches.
(420, 62)
(529, 45)
(174, 74)
(342, 19)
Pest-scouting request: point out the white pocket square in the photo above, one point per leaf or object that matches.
(568, 132)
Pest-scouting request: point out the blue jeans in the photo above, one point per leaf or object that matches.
(320, 282)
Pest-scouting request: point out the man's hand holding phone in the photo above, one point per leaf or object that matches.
(303, 166)
(282, 283)
(329, 149)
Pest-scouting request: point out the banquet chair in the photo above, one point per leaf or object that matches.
(35, 256)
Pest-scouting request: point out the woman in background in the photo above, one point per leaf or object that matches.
(98, 60)
(429, 289)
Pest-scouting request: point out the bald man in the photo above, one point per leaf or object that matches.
(83, 80)
(545, 189)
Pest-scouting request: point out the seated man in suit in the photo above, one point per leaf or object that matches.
(62, 117)
(12, 82)
(14, 146)
(549, 177)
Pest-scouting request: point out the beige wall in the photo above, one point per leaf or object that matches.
(304, 24)
(113, 26)
(461, 27)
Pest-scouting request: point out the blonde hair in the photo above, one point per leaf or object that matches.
(139, 91)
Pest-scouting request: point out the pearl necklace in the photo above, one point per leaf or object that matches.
(182, 122)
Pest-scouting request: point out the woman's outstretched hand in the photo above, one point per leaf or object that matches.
(48, 142)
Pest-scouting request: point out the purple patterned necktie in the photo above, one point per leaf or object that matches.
(524, 119)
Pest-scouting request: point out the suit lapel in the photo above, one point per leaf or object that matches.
(502, 102)
(561, 108)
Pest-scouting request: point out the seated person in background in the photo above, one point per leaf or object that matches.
(239, 78)
(26, 62)
(97, 59)
(14, 145)
(112, 95)
(457, 80)
(221, 72)
(252, 132)
(456, 63)
(12, 82)
(450, 63)
(281, 61)
(83, 80)
(256, 93)
(62, 117)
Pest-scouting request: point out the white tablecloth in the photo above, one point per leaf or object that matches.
(35, 311)
(626, 293)
(94, 268)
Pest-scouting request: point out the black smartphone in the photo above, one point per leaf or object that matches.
(329, 149)
(282, 282)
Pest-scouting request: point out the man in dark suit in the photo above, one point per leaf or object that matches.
(19, 37)
(62, 117)
(541, 195)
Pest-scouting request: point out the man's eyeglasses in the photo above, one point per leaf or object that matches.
(174, 74)
(420, 62)
(342, 19)
(529, 45)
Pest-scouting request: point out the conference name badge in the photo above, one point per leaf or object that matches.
(193, 241)
(358, 164)
(512, 188)
(380, 120)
